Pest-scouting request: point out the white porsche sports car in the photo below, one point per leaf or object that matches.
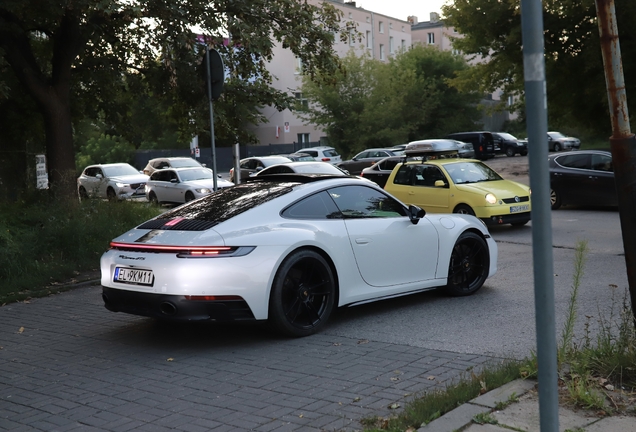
(288, 249)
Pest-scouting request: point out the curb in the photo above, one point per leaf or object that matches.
(462, 416)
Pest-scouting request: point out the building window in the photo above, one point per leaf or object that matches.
(368, 19)
(303, 137)
(381, 26)
(299, 66)
(369, 39)
(391, 47)
(431, 38)
(403, 45)
(390, 25)
(301, 101)
(381, 52)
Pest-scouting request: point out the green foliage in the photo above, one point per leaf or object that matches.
(44, 241)
(567, 335)
(577, 96)
(369, 103)
(87, 59)
(105, 149)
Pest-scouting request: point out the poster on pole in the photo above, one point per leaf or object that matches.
(41, 176)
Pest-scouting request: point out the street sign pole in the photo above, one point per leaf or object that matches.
(214, 76)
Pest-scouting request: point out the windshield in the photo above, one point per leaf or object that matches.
(195, 174)
(470, 172)
(318, 168)
(506, 135)
(119, 170)
(186, 162)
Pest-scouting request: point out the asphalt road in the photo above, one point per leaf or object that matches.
(68, 364)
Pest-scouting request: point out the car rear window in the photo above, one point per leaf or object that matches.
(331, 153)
(227, 203)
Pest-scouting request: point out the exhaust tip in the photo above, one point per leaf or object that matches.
(168, 308)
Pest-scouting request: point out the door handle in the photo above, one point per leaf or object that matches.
(363, 240)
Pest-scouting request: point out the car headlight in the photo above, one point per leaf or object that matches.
(491, 199)
(121, 185)
(203, 190)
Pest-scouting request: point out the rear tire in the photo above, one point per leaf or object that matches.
(557, 147)
(189, 196)
(303, 293)
(510, 152)
(469, 265)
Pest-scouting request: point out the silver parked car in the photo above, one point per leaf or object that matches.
(180, 185)
(112, 181)
(171, 162)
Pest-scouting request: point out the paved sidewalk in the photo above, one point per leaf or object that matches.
(68, 364)
(521, 413)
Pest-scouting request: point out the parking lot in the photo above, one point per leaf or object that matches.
(69, 364)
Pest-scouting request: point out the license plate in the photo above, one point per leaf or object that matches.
(133, 276)
(519, 208)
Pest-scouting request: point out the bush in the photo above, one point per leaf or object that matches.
(43, 240)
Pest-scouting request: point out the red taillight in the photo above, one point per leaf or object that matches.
(174, 221)
(185, 251)
(167, 248)
(212, 298)
(325, 159)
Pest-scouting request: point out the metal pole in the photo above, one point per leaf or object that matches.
(537, 124)
(622, 142)
(209, 80)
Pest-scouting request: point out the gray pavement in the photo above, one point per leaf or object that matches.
(68, 364)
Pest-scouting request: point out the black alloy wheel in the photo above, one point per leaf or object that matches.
(189, 196)
(303, 294)
(469, 265)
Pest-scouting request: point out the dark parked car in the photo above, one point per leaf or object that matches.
(584, 177)
(251, 165)
(482, 141)
(380, 171)
(509, 145)
(364, 159)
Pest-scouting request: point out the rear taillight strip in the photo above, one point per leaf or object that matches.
(185, 251)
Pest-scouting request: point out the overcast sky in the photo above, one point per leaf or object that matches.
(402, 8)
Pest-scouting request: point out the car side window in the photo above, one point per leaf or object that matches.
(311, 153)
(364, 202)
(90, 172)
(427, 175)
(317, 206)
(404, 175)
(580, 161)
(362, 155)
(601, 162)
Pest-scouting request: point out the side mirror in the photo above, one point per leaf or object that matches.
(440, 183)
(174, 181)
(415, 214)
(99, 176)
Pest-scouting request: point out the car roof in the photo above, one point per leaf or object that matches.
(590, 151)
(108, 165)
(170, 158)
(316, 148)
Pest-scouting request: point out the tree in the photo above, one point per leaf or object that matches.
(370, 103)
(69, 55)
(574, 69)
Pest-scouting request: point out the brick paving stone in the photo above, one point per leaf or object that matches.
(78, 363)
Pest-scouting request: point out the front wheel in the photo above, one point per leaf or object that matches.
(464, 209)
(555, 199)
(189, 196)
(110, 194)
(469, 265)
(152, 198)
(557, 147)
(510, 152)
(82, 193)
(303, 294)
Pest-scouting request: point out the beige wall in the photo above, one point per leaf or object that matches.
(286, 76)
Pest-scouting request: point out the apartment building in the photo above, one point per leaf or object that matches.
(382, 37)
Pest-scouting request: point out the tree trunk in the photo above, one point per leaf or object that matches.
(60, 153)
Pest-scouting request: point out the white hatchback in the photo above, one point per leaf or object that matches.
(323, 154)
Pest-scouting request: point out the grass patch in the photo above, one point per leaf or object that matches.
(44, 241)
(432, 405)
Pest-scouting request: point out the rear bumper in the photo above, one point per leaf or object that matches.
(174, 307)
